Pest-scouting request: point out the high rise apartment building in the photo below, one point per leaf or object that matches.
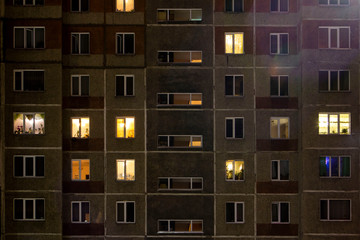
(221, 119)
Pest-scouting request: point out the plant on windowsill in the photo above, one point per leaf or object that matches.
(344, 131)
(19, 130)
(239, 175)
(87, 135)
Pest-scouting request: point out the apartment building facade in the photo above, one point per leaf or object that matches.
(221, 119)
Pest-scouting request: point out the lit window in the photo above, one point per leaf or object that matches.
(125, 43)
(334, 2)
(181, 183)
(125, 5)
(28, 2)
(80, 85)
(279, 86)
(335, 210)
(235, 212)
(334, 123)
(335, 166)
(29, 209)
(29, 80)
(234, 85)
(124, 85)
(125, 212)
(279, 5)
(80, 169)
(179, 15)
(334, 81)
(180, 226)
(279, 170)
(29, 166)
(181, 99)
(29, 37)
(80, 43)
(29, 123)
(235, 170)
(279, 127)
(180, 57)
(234, 6)
(80, 127)
(180, 141)
(234, 128)
(234, 43)
(280, 212)
(80, 212)
(79, 5)
(279, 43)
(125, 169)
(334, 37)
(125, 127)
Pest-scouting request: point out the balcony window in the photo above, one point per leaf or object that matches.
(125, 212)
(29, 37)
(235, 170)
(125, 127)
(179, 15)
(279, 170)
(335, 166)
(125, 5)
(29, 80)
(80, 170)
(181, 183)
(180, 141)
(80, 127)
(29, 123)
(179, 99)
(80, 85)
(29, 209)
(125, 169)
(334, 123)
(180, 226)
(29, 166)
(234, 43)
(279, 127)
(333, 37)
(191, 57)
(80, 212)
(80, 43)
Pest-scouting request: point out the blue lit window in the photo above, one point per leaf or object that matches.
(335, 166)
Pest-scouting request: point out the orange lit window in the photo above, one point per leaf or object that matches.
(234, 43)
(125, 5)
(80, 169)
(80, 127)
(125, 127)
(125, 170)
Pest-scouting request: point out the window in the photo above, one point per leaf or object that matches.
(234, 6)
(335, 210)
(29, 209)
(234, 128)
(125, 127)
(279, 127)
(279, 170)
(124, 85)
(334, 2)
(235, 170)
(29, 123)
(334, 81)
(235, 212)
(180, 141)
(125, 6)
(79, 5)
(180, 57)
(234, 43)
(280, 212)
(279, 86)
(125, 212)
(180, 226)
(80, 170)
(29, 37)
(179, 15)
(334, 123)
(29, 166)
(335, 166)
(80, 43)
(80, 127)
(80, 85)
(125, 43)
(125, 169)
(279, 43)
(28, 2)
(234, 85)
(181, 99)
(80, 212)
(181, 183)
(279, 5)
(29, 80)
(334, 37)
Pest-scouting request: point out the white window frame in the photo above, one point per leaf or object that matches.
(337, 28)
(125, 117)
(191, 51)
(234, 85)
(337, 5)
(233, 127)
(338, 79)
(124, 7)
(79, 52)
(278, 127)
(181, 189)
(80, 2)
(125, 211)
(29, 113)
(24, 209)
(168, 99)
(125, 84)
(80, 76)
(279, 171)
(236, 204)
(191, 140)
(279, 213)
(279, 45)
(181, 220)
(125, 180)
(116, 39)
(79, 180)
(279, 85)
(80, 211)
(278, 10)
(233, 179)
(233, 43)
(233, 6)
(33, 36)
(179, 9)
(328, 210)
(71, 119)
(22, 78)
(24, 166)
(338, 127)
(339, 159)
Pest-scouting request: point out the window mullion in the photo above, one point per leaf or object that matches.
(234, 83)
(279, 212)
(278, 85)
(168, 15)
(125, 169)
(34, 166)
(125, 84)
(328, 209)
(329, 37)
(235, 212)
(125, 212)
(338, 37)
(34, 208)
(278, 170)
(22, 80)
(329, 83)
(80, 79)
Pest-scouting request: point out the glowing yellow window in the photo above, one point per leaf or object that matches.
(235, 170)
(125, 5)
(323, 123)
(125, 127)
(345, 123)
(234, 43)
(80, 169)
(80, 127)
(125, 170)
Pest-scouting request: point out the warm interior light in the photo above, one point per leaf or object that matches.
(229, 43)
(239, 43)
(323, 123)
(130, 127)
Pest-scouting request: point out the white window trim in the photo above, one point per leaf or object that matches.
(191, 139)
(173, 51)
(339, 156)
(168, 99)
(278, 171)
(234, 88)
(80, 211)
(125, 212)
(234, 180)
(233, 6)
(328, 210)
(329, 77)
(279, 45)
(278, 10)
(278, 128)
(80, 80)
(233, 127)
(124, 117)
(181, 220)
(335, 5)
(180, 189)
(28, 113)
(124, 7)
(179, 9)
(337, 28)
(279, 213)
(235, 213)
(24, 166)
(24, 210)
(125, 180)
(279, 88)
(79, 180)
(116, 47)
(335, 113)
(25, 27)
(80, 33)
(79, 127)
(125, 84)
(22, 78)
(233, 43)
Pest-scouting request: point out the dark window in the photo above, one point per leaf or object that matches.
(79, 5)
(234, 6)
(124, 85)
(80, 85)
(80, 212)
(279, 86)
(29, 166)
(29, 209)
(335, 166)
(234, 128)
(334, 2)
(280, 170)
(234, 85)
(279, 43)
(29, 80)
(125, 43)
(334, 37)
(235, 212)
(335, 210)
(80, 43)
(280, 212)
(334, 81)
(34, 37)
(28, 2)
(125, 212)
(279, 5)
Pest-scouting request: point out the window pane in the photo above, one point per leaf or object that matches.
(229, 43)
(18, 2)
(333, 38)
(161, 15)
(29, 166)
(18, 167)
(120, 85)
(85, 212)
(162, 99)
(323, 124)
(162, 57)
(284, 44)
(197, 226)
(323, 80)
(274, 87)
(29, 209)
(284, 208)
(29, 37)
(274, 212)
(323, 38)
(84, 5)
(274, 5)
(229, 128)
(75, 86)
(85, 43)
(344, 123)
(228, 6)
(85, 170)
(284, 128)
(238, 6)
(239, 91)
(75, 212)
(130, 127)
(230, 169)
(39, 38)
(75, 43)
(130, 212)
(129, 43)
(274, 170)
(120, 43)
(130, 169)
(75, 168)
(19, 38)
(324, 209)
(182, 226)
(196, 99)
(129, 86)
(85, 86)
(344, 166)
(120, 5)
(18, 123)
(284, 170)
(239, 212)
(163, 141)
(344, 81)
(75, 5)
(196, 183)
(344, 38)
(29, 123)
(196, 57)
(18, 81)
(239, 170)
(339, 209)
(163, 226)
(33, 80)
(324, 166)
(163, 183)
(274, 44)
(180, 183)
(18, 209)
(274, 128)
(230, 212)
(39, 123)
(75, 127)
(120, 166)
(283, 85)
(39, 2)
(229, 85)
(39, 166)
(85, 127)
(239, 43)
(40, 209)
(129, 5)
(239, 131)
(333, 81)
(284, 5)
(181, 57)
(120, 216)
(344, 2)
(196, 15)
(334, 166)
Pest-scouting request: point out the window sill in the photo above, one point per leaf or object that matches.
(277, 223)
(119, 180)
(29, 49)
(233, 12)
(279, 54)
(133, 11)
(19, 91)
(344, 91)
(80, 222)
(180, 22)
(125, 222)
(274, 96)
(228, 138)
(233, 96)
(161, 232)
(80, 54)
(29, 177)
(228, 180)
(179, 64)
(278, 180)
(235, 222)
(29, 220)
(124, 95)
(125, 54)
